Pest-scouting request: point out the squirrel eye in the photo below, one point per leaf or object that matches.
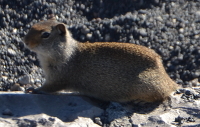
(45, 34)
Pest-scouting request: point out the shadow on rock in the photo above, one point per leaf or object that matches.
(123, 111)
(192, 112)
(65, 107)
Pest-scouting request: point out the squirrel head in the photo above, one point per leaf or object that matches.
(46, 35)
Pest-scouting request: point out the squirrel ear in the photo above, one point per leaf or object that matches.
(61, 29)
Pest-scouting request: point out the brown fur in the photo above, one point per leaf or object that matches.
(109, 71)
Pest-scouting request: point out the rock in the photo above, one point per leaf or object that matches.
(41, 120)
(14, 31)
(67, 108)
(89, 36)
(17, 87)
(143, 32)
(82, 122)
(197, 13)
(121, 122)
(82, 6)
(26, 79)
(85, 30)
(7, 112)
(181, 30)
(11, 52)
(4, 77)
(172, 117)
(75, 111)
(115, 111)
(98, 121)
(107, 37)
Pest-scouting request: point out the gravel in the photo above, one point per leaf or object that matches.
(170, 27)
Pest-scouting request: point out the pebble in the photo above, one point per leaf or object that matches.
(107, 37)
(85, 30)
(159, 18)
(82, 6)
(188, 92)
(195, 82)
(197, 13)
(143, 32)
(180, 120)
(97, 120)
(197, 96)
(16, 87)
(11, 52)
(181, 30)
(14, 31)
(190, 119)
(7, 112)
(26, 79)
(89, 36)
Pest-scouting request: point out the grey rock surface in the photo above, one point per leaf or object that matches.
(169, 118)
(20, 109)
(47, 110)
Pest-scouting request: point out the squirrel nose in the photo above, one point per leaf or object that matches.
(27, 43)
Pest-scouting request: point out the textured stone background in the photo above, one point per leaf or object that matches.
(171, 28)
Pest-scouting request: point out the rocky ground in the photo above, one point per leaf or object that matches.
(18, 109)
(170, 27)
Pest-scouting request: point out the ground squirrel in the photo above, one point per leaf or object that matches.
(109, 71)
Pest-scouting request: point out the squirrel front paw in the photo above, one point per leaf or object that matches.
(29, 90)
(34, 91)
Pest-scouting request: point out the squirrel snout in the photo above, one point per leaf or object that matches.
(26, 42)
(29, 44)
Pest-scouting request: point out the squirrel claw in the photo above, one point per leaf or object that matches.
(33, 91)
(30, 90)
